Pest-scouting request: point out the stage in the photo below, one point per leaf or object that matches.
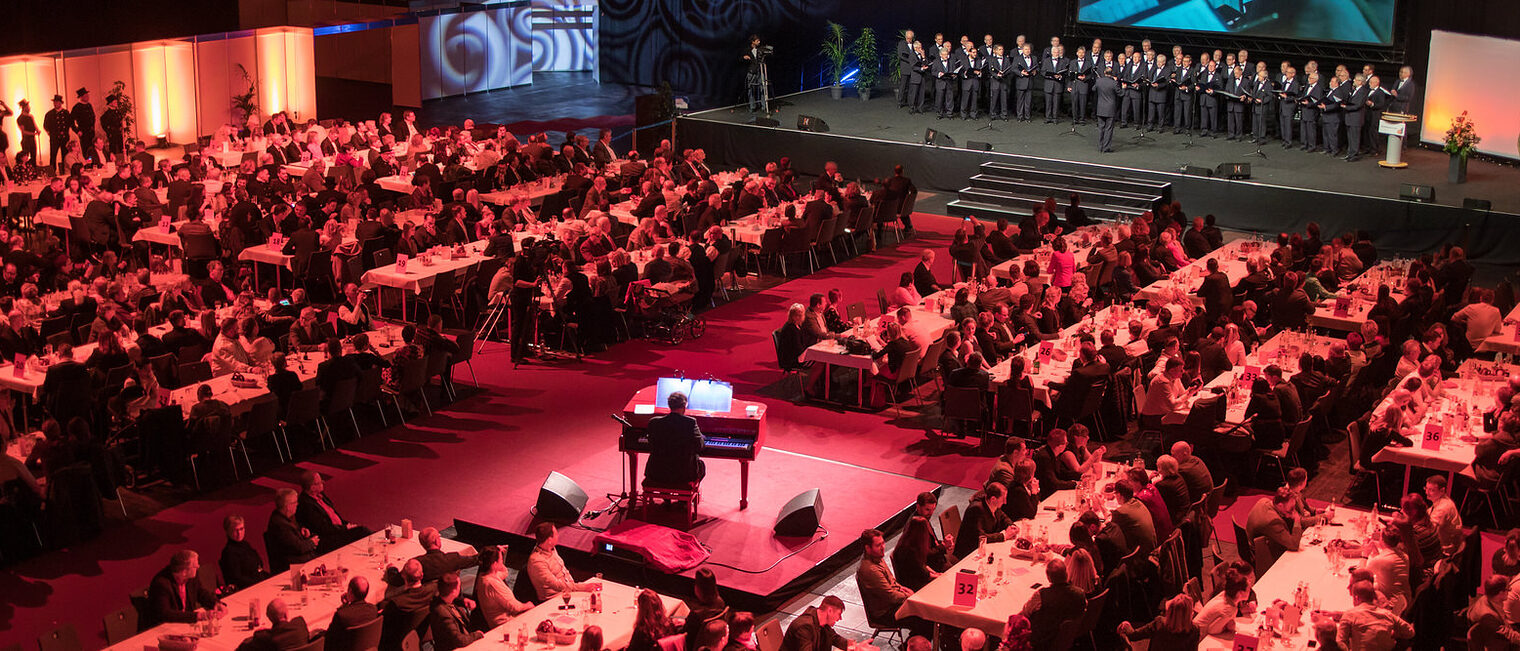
(1286, 190)
(739, 538)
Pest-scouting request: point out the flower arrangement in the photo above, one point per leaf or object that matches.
(1462, 138)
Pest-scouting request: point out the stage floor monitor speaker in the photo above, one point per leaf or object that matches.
(934, 137)
(1421, 193)
(1194, 170)
(560, 500)
(800, 516)
(762, 121)
(978, 145)
(1469, 203)
(1233, 170)
(812, 123)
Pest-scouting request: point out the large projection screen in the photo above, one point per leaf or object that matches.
(1345, 21)
(1456, 82)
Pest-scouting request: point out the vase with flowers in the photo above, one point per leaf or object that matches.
(1461, 141)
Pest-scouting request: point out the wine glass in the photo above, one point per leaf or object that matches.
(565, 597)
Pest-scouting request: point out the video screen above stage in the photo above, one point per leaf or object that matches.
(1345, 21)
(701, 395)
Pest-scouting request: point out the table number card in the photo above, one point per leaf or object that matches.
(1342, 306)
(1244, 642)
(1432, 436)
(1248, 376)
(401, 259)
(19, 368)
(1046, 350)
(966, 583)
(165, 224)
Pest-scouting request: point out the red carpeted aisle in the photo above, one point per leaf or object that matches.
(478, 452)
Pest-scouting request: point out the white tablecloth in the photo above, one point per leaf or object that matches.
(616, 619)
(1454, 412)
(321, 602)
(417, 276)
(1361, 300)
(1232, 261)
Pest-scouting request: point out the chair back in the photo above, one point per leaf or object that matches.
(191, 353)
(781, 362)
(1296, 440)
(770, 241)
(797, 240)
(437, 364)
(768, 638)
(304, 407)
(367, 389)
(341, 398)
(116, 377)
(316, 644)
(364, 637)
(54, 325)
(63, 638)
(930, 360)
(1015, 403)
(163, 368)
(413, 375)
(1171, 558)
(856, 310)
(962, 403)
(1262, 556)
(263, 417)
(382, 257)
(1243, 543)
(950, 521)
(193, 372)
(825, 232)
(909, 368)
(443, 288)
(121, 624)
(1354, 442)
(1093, 613)
(675, 642)
(881, 300)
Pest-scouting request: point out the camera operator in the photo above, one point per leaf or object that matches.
(527, 273)
(754, 75)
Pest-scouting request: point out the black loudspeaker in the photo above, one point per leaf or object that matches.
(1470, 203)
(1194, 170)
(934, 137)
(1234, 170)
(1412, 192)
(801, 515)
(762, 121)
(812, 123)
(560, 500)
(978, 145)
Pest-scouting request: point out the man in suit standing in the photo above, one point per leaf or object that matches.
(1159, 77)
(1025, 67)
(916, 78)
(355, 612)
(998, 69)
(175, 595)
(1378, 100)
(1313, 93)
(1208, 100)
(1131, 74)
(82, 122)
(1332, 111)
(1054, 71)
(1184, 78)
(1107, 105)
(1261, 99)
(1406, 92)
(675, 447)
(1238, 86)
(1287, 101)
(1273, 517)
(1079, 84)
(906, 60)
(943, 71)
(56, 123)
(813, 630)
(1356, 116)
(284, 632)
(971, 82)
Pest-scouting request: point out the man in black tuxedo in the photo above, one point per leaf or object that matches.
(1054, 70)
(1107, 106)
(1132, 73)
(1332, 111)
(1184, 76)
(1287, 101)
(675, 446)
(1158, 76)
(1405, 91)
(971, 82)
(1355, 115)
(1025, 67)
(1309, 99)
(906, 60)
(315, 511)
(1261, 100)
(943, 71)
(1378, 100)
(1235, 111)
(1218, 296)
(1079, 80)
(175, 595)
(1208, 101)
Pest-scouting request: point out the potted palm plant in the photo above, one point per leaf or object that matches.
(1461, 141)
(894, 68)
(834, 50)
(869, 61)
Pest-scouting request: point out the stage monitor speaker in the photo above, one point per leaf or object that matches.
(1234, 170)
(978, 145)
(1469, 203)
(1412, 192)
(1194, 170)
(560, 500)
(801, 515)
(762, 121)
(934, 137)
(812, 123)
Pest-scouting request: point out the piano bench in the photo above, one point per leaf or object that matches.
(689, 497)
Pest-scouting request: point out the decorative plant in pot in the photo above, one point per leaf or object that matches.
(894, 68)
(869, 61)
(835, 51)
(1461, 141)
(244, 104)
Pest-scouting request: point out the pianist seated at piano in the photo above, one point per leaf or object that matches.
(675, 446)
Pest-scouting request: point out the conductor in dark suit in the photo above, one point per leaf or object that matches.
(675, 443)
(813, 630)
(1107, 90)
(175, 595)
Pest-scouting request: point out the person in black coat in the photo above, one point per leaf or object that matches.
(675, 443)
(1218, 296)
(285, 540)
(240, 563)
(355, 612)
(813, 630)
(285, 633)
(984, 517)
(315, 512)
(923, 274)
(1023, 493)
(175, 595)
(1049, 470)
(64, 384)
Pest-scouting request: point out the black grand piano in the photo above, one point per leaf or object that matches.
(737, 434)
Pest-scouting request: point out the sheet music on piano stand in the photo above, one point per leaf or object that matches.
(701, 395)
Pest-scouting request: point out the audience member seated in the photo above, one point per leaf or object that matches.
(1172, 630)
(317, 514)
(284, 633)
(240, 563)
(984, 518)
(1274, 518)
(545, 569)
(176, 596)
(355, 612)
(285, 540)
(880, 592)
(1052, 605)
(449, 618)
(813, 630)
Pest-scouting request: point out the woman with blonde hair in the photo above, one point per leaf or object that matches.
(1172, 630)
(1081, 573)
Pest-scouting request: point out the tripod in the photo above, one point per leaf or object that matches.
(1189, 144)
(1258, 151)
(489, 321)
(989, 126)
(1073, 131)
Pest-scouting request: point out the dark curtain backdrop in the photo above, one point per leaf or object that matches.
(696, 44)
(53, 25)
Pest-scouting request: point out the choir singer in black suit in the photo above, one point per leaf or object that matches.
(1079, 84)
(1107, 107)
(907, 62)
(675, 446)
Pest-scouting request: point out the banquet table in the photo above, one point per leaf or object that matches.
(1056, 365)
(1348, 309)
(1447, 439)
(616, 619)
(1232, 261)
(1321, 572)
(534, 191)
(414, 275)
(1012, 579)
(1080, 242)
(1508, 339)
(1282, 349)
(368, 557)
(925, 327)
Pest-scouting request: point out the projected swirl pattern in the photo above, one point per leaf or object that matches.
(478, 50)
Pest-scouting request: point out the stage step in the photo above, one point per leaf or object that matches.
(1061, 191)
(994, 203)
(1159, 190)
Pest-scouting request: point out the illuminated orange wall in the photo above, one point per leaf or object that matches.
(1461, 79)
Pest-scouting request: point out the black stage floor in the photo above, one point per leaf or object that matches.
(1287, 189)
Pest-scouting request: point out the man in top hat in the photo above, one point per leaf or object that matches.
(56, 124)
(82, 119)
(113, 122)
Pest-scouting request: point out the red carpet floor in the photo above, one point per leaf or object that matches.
(533, 417)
